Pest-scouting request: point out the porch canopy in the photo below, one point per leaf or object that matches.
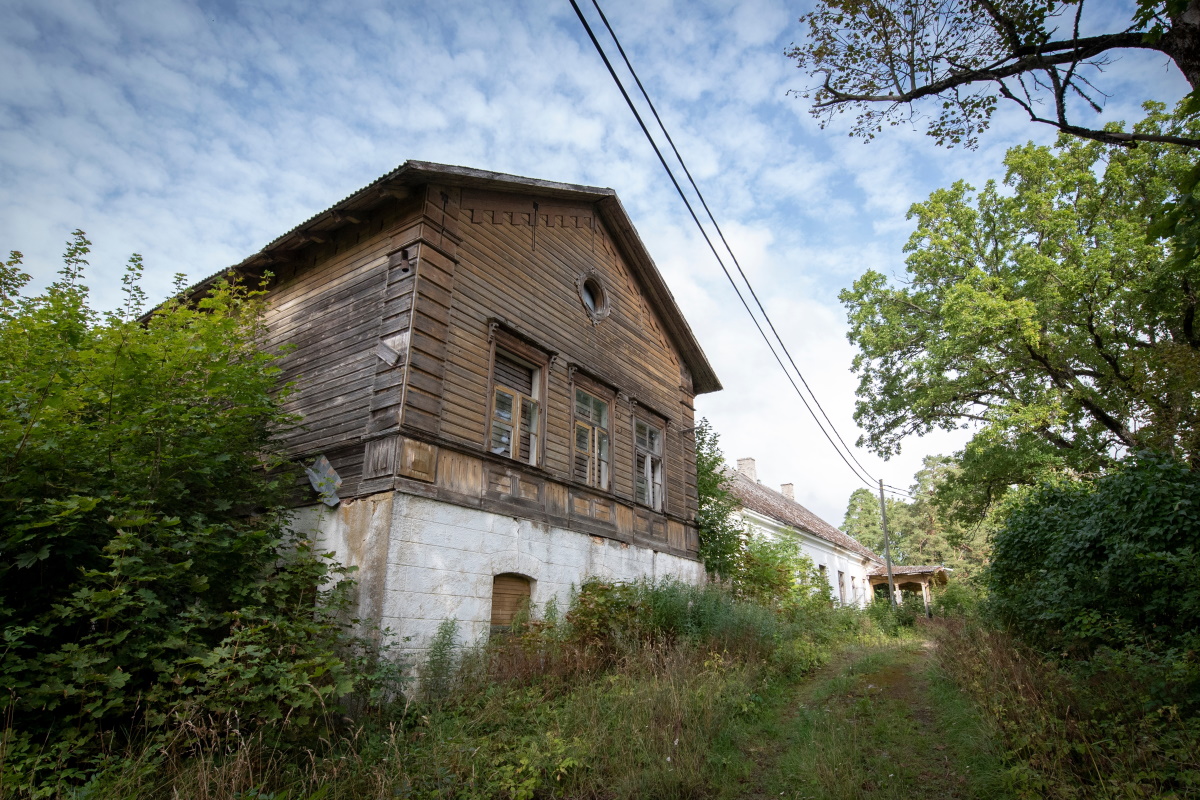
(912, 579)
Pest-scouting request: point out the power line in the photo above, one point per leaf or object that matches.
(721, 234)
(695, 218)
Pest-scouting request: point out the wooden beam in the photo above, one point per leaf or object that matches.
(342, 217)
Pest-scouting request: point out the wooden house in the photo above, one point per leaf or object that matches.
(496, 373)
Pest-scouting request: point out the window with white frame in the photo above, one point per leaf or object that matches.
(591, 440)
(647, 463)
(516, 413)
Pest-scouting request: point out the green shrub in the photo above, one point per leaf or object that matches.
(619, 615)
(1092, 728)
(1111, 561)
(147, 576)
(775, 572)
(893, 620)
(441, 662)
(956, 599)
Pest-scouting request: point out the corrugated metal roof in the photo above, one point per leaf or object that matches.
(770, 503)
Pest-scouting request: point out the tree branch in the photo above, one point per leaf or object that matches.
(1085, 49)
(1064, 381)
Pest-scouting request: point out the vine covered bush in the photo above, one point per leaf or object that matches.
(1108, 562)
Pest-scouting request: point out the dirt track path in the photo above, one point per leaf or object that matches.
(880, 723)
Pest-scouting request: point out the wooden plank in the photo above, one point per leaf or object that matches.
(425, 382)
(416, 418)
(430, 404)
(432, 327)
(429, 345)
(434, 301)
(394, 324)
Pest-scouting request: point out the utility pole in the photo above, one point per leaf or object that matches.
(887, 546)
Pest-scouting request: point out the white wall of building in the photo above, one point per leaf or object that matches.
(421, 561)
(833, 558)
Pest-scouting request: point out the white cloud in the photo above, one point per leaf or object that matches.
(194, 133)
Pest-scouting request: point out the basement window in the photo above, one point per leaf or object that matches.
(510, 601)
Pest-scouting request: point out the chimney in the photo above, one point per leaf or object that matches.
(789, 491)
(746, 467)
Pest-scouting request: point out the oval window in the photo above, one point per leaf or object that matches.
(593, 296)
(590, 290)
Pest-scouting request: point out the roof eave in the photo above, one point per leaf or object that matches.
(416, 173)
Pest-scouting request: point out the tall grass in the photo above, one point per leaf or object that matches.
(627, 694)
(1103, 728)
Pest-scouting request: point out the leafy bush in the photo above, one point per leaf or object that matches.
(637, 690)
(777, 573)
(617, 616)
(1111, 561)
(720, 529)
(147, 576)
(956, 599)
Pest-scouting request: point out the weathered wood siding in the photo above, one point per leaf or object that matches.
(325, 310)
(522, 270)
(391, 320)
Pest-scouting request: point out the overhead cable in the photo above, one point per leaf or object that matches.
(695, 218)
(856, 468)
(721, 234)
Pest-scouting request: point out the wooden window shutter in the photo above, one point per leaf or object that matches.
(513, 375)
(510, 596)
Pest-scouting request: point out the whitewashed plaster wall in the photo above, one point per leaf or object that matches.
(422, 561)
(823, 553)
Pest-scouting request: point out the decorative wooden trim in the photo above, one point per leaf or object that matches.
(343, 217)
(533, 245)
(418, 460)
(379, 457)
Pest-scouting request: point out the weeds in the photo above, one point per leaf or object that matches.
(635, 690)
(881, 724)
(1084, 729)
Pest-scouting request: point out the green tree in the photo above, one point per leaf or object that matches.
(146, 569)
(1041, 316)
(863, 523)
(880, 57)
(773, 573)
(720, 527)
(929, 529)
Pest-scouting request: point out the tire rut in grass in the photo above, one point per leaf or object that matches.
(880, 724)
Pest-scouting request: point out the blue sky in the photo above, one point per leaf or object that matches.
(195, 132)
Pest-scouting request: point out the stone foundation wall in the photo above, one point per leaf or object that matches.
(421, 561)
